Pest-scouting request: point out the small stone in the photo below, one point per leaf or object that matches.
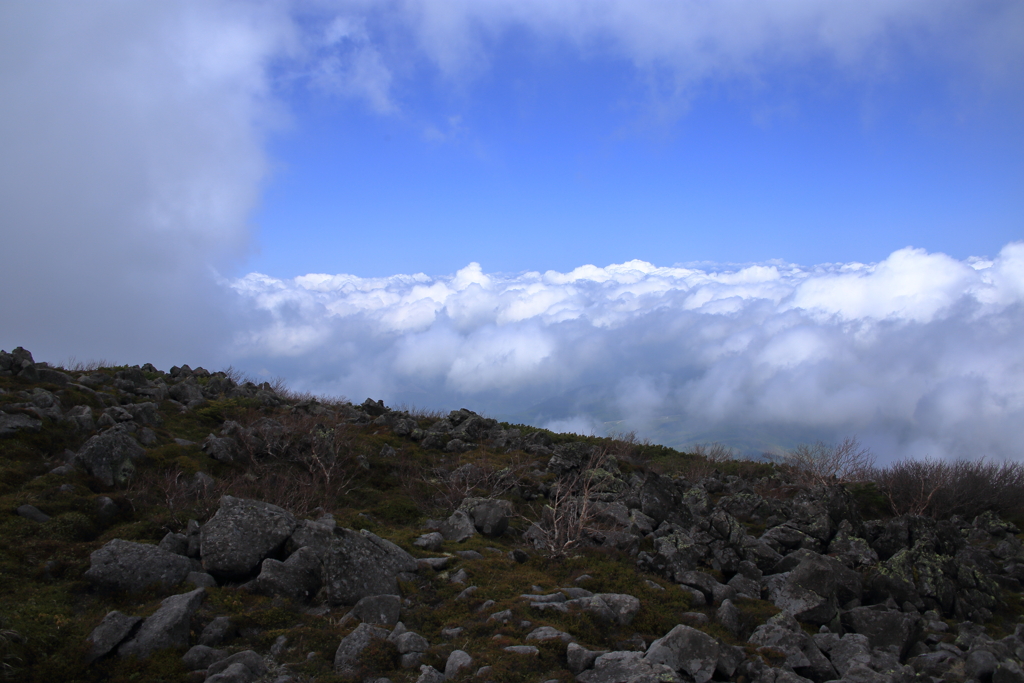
(32, 513)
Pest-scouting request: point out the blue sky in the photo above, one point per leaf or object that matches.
(759, 222)
(574, 150)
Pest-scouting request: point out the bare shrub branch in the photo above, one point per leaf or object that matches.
(469, 479)
(939, 488)
(824, 464)
(570, 516)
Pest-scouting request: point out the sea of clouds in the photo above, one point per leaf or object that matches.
(920, 354)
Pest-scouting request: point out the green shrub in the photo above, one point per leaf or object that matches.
(71, 526)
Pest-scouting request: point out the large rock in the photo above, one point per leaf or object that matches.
(490, 516)
(241, 535)
(457, 661)
(623, 607)
(686, 650)
(627, 666)
(802, 603)
(346, 657)
(133, 567)
(12, 423)
(111, 632)
(782, 634)
(362, 564)
(579, 658)
(111, 456)
(458, 527)
(299, 577)
(241, 667)
(851, 650)
(200, 657)
(811, 586)
(168, 627)
(883, 627)
(382, 610)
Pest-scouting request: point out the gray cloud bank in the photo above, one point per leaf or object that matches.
(919, 354)
(132, 138)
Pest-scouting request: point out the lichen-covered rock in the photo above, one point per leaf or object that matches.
(133, 567)
(241, 535)
(355, 564)
(111, 455)
(687, 650)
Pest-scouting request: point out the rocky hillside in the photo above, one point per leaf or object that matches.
(193, 526)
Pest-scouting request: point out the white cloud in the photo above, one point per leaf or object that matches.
(917, 349)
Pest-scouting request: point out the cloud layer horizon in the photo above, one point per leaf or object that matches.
(919, 354)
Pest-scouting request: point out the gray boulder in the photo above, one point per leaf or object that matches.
(241, 667)
(133, 567)
(217, 631)
(111, 632)
(579, 658)
(686, 650)
(174, 543)
(548, 633)
(32, 513)
(884, 628)
(186, 391)
(981, 665)
(429, 674)
(457, 661)
(299, 577)
(241, 535)
(729, 617)
(1008, 672)
(409, 642)
(458, 527)
(701, 581)
(12, 423)
(490, 516)
(623, 607)
(628, 667)
(357, 564)
(430, 542)
(851, 650)
(782, 634)
(147, 413)
(221, 448)
(111, 455)
(382, 610)
(168, 627)
(82, 417)
(346, 657)
(201, 657)
(787, 593)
